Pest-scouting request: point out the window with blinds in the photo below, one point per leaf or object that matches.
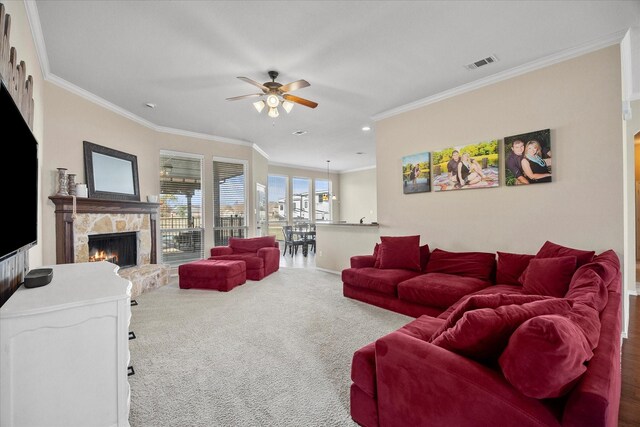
(277, 205)
(229, 201)
(322, 199)
(181, 225)
(300, 199)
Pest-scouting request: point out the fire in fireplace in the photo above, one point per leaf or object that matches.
(118, 248)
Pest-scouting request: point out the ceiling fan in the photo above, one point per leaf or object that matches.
(274, 94)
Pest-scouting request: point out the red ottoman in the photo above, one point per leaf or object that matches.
(222, 275)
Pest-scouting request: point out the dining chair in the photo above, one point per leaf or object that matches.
(289, 241)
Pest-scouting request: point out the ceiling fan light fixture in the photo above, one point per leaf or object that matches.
(288, 106)
(273, 112)
(273, 101)
(259, 106)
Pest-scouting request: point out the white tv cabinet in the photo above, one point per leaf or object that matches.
(64, 350)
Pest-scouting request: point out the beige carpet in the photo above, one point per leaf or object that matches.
(270, 353)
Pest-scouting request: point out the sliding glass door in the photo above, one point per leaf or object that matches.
(229, 200)
(181, 225)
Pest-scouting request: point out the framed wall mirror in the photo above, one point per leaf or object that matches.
(111, 174)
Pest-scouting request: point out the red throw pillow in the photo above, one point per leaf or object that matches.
(548, 276)
(510, 267)
(480, 265)
(475, 302)
(553, 250)
(484, 333)
(401, 252)
(425, 254)
(545, 357)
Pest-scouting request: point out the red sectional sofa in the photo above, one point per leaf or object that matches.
(538, 346)
(260, 254)
(439, 280)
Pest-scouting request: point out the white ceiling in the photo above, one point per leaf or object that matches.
(362, 58)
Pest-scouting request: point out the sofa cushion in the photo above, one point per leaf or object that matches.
(496, 289)
(483, 334)
(511, 266)
(375, 279)
(548, 276)
(400, 252)
(252, 244)
(588, 288)
(545, 357)
(252, 261)
(480, 265)
(475, 302)
(438, 289)
(588, 320)
(553, 250)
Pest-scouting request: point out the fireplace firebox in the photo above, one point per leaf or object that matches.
(118, 248)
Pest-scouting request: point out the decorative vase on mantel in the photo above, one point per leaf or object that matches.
(71, 184)
(62, 182)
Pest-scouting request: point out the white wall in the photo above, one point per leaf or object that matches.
(71, 119)
(579, 100)
(358, 196)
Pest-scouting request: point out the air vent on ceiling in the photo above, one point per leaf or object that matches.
(299, 132)
(486, 61)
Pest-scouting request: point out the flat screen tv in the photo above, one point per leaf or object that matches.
(19, 193)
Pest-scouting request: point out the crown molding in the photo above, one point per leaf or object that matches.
(365, 168)
(261, 151)
(286, 165)
(135, 118)
(41, 50)
(564, 55)
(38, 38)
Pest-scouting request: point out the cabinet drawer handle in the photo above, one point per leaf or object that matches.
(134, 302)
(132, 336)
(130, 371)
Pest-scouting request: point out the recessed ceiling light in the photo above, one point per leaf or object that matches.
(150, 105)
(299, 132)
(366, 128)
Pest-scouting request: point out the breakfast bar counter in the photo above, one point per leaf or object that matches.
(337, 242)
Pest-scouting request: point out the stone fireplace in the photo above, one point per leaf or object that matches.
(82, 233)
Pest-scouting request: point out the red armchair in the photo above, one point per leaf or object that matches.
(260, 254)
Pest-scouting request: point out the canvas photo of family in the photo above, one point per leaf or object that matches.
(528, 158)
(416, 174)
(467, 166)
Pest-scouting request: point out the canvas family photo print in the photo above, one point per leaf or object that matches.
(466, 166)
(528, 158)
(416, 174)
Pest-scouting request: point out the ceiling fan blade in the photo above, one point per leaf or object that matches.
(235, 98)
(255, 83)
(289, 87)
(300, 101)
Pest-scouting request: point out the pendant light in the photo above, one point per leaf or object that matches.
(333, 196)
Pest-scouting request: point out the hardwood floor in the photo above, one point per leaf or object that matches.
(630, 399)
